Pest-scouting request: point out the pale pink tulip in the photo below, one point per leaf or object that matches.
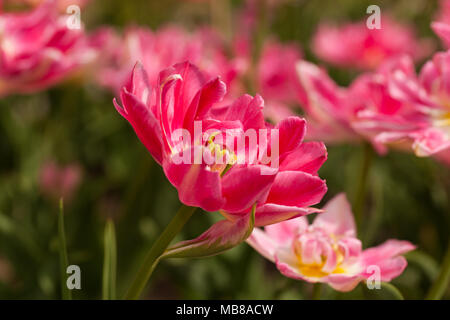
(354, 45)
(56, 181)
(328, 251)
(38, 50)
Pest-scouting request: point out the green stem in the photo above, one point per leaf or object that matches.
(109, 262)
(361, 191)
(392, 290)
(158, 248)
(220, 12)
(63, 258)
(317, 291)
(441, 283)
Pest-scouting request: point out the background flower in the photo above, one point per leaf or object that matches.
(354, 45)
(38, 50)
(328, 250)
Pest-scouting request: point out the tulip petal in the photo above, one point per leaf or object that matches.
(291, 133)
(211, 93)
(139, 84)
(342, 282)
(243, 186)
(247, 109)
(337, 218)
(294, 188)
(387, 257)
(309, 157)
(443, 31)
(144, 123)
(197, 186)
(263, 243)
(222, 236)
(272, 214)
(283, 233)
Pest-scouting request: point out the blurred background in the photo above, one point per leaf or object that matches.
(69, 141)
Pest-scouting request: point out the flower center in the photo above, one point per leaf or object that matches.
(318, 254)
(222, 158)
(443, 120)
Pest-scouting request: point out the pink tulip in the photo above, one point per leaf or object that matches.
(328, 251)
(57, 181)
(443, 13)
(181, 97)
(354, 45)
(391, 107)
(273, 75)
(38, 50)
(158, 50)
(408, 111)
(442, 24)
(277, 79)
(330, 109)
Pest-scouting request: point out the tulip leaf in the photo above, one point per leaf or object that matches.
(222, 236)
(63, 257)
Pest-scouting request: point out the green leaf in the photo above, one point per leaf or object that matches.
(429, 266)
(109, 262)
(442, 281)
(222, 236)
(63, 258)
(387, 292)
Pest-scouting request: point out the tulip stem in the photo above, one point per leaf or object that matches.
(221, 17)
(317, 291)
(361, 191)
(158, 248)
(442, 281)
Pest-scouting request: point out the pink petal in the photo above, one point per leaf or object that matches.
(139, 85)
(294, 188)
(342, 282)
(248, 110)
(309, 157)
(264, 244)
(197, 186)
(387, 257)
(272, 214)
(443, 31)
(283, 233)
(244, 186)
(431, 141)
(211, 93)
(291, 133)
(337, 218)
(144, 123)
(184, 91)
